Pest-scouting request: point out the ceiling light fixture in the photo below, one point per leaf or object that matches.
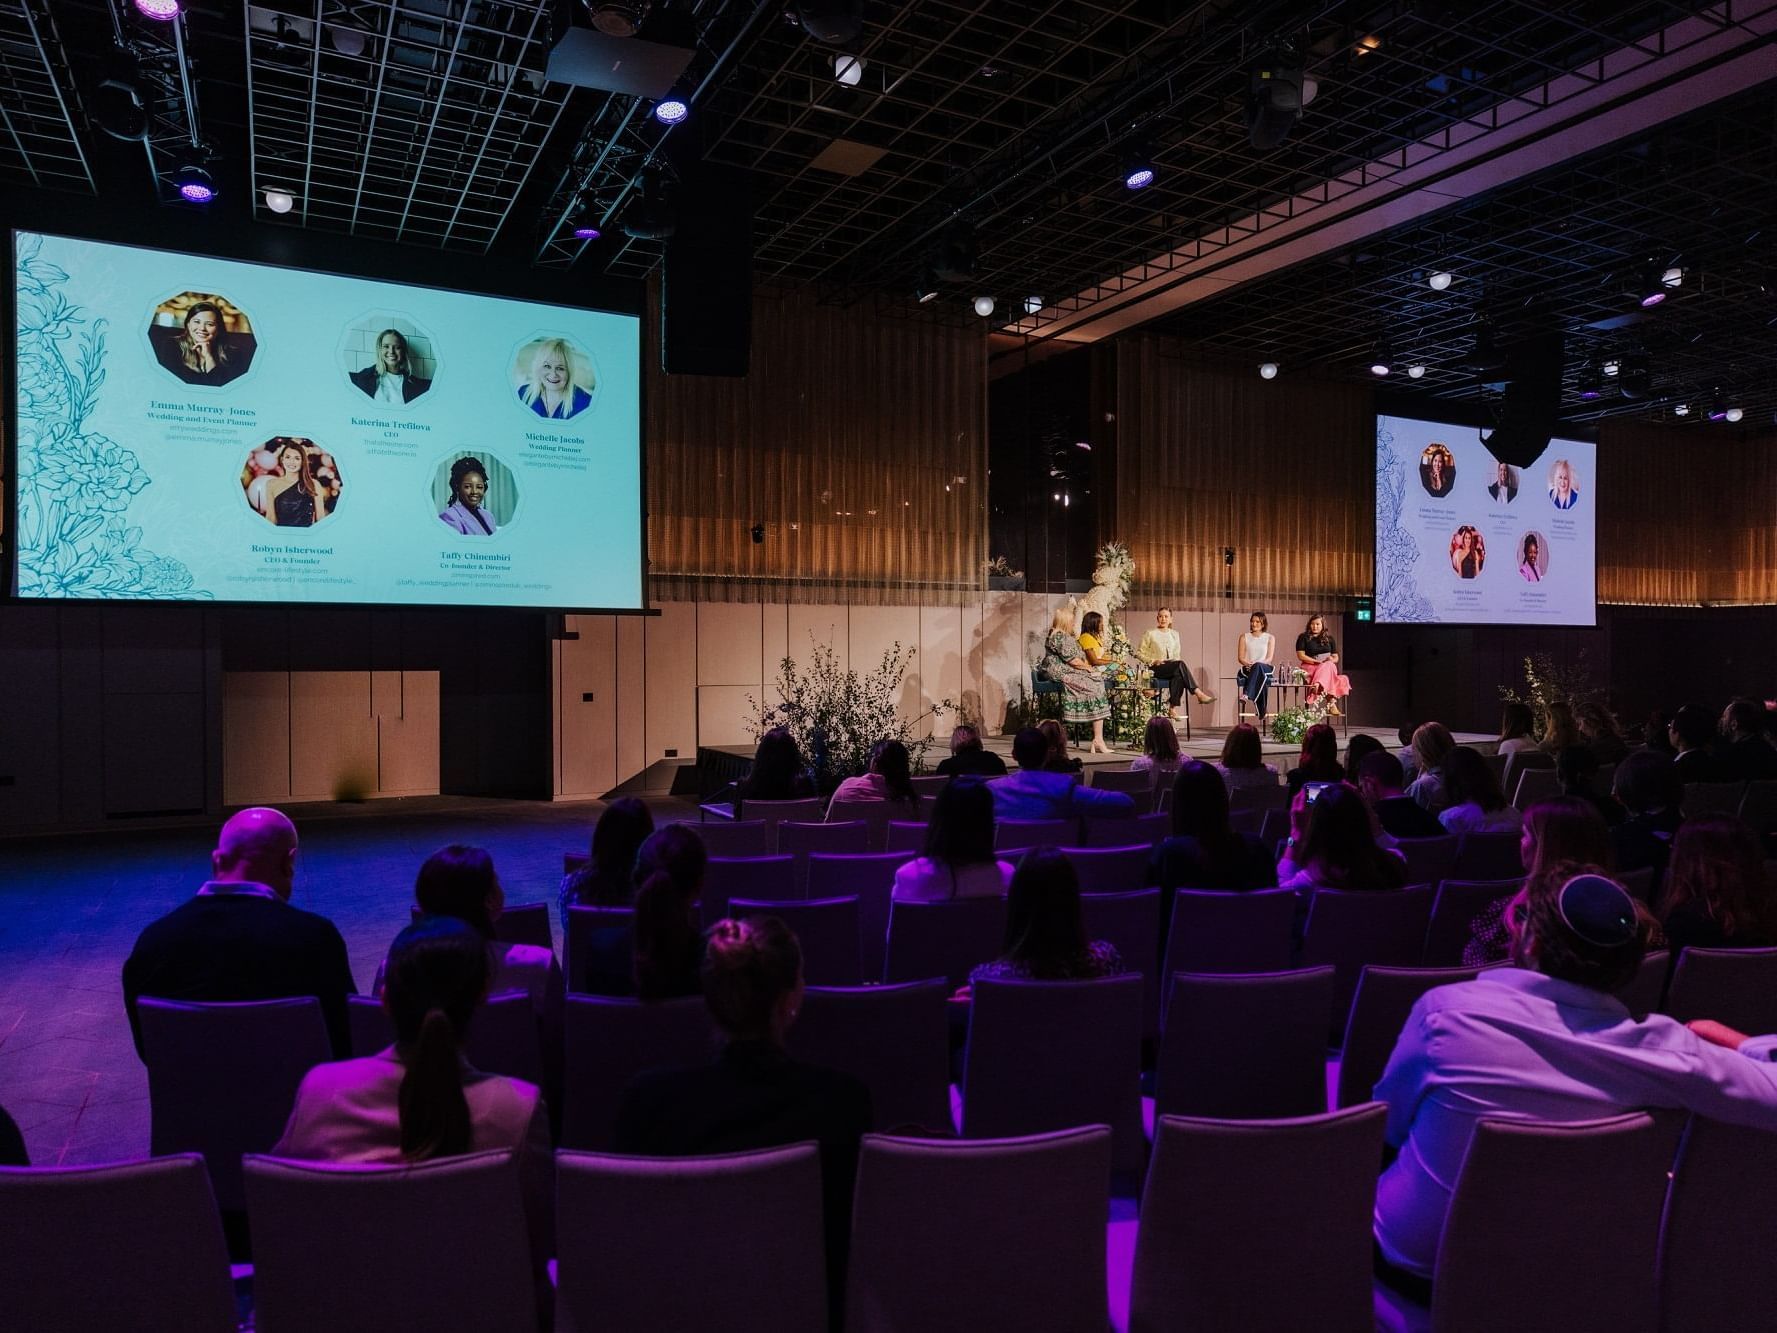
(1591, 386)
(121, 97)
(584, 223)
(194, 184)
(834, 22)
(1138, 168)
(671, 110)
(1652, 288)
(280, 201)
(161, 11)
(1416, 372)
(1275, 95)
(1672, 277)
(1381, 363)
(1368, 44)
(1733, 414)
(984, 306)
(1268, 370)
(926, 289)
(617, 18)
(1032, 304)
(1440, 281)
(1681, 409)
(1613, 366)
(847, 68)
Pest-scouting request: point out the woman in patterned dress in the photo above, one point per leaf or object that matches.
(1083, 697)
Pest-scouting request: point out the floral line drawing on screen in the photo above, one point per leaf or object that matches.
(75, 486)
(1397, 591)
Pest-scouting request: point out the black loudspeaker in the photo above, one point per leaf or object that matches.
(1531, 404)
(706, 277)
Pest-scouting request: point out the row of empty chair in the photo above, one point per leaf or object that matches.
(1639, 1224)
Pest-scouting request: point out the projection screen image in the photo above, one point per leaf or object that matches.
(1462, 538)
(198, 429)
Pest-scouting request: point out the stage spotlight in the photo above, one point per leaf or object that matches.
(1652, 288)
(1267, 370)
(651, 217)
(280, 201)
(1672, 277)
(926, 289)
(617, 19)
(1718, 410)
(1138, 169)
(1637, 379)
(1415, 372)
(348, 39)
(1733, 414)
(161, 11)
(1274, 97)
(671, 110)
(1368, 44)
(1591, 386)
(1613, 367)
(1440, 281)
(584, 223)
(834, 22)
(195, 185)
(1380, 361)
(1681, 409)
(120, 98)
(1032, 304)
(984, 306)
(848, 69)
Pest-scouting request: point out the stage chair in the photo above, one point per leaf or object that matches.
(1110, 869)
(223, 1077)
(952, 1237)
(1458, 903)
(525, 923)
(1379, 1009)
(134, 1246)
(943, 939)
(1261, 1224)
(1351, 928)
(334, 1246)
(607, 1042)
(1243, 1046)
(1733, 986)
(628, 1224)
(893, 1038)
(827, 929)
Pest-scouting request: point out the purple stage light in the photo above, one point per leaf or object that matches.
(586, 232)
(197, 192)
(161, 11)
(671, 111)
(1139, 179)
(195, 185)
(1652, 299)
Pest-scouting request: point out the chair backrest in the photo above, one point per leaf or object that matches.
(1733, 986)
(1351, 928)
(223, 1077)
(627, 1224)
(1519, 762)
(874, 814)
(572, 861)
(737, 837)
(1131, 921)
(772, 814)
(1639, 883)
(1262, 1224)
(1458, 903)
(1245, 1046)
(943, 939)
(524, 923)
(577, 929)
(1014, 835)
(1429, 860)
(1720, 1230)
(1110, 869)
(1712, 798)
(1535, 784)
(1049, 1055)
(1247, 822)
(952, 1237)
(1106, 778)
(1276, 796)
(894, 1039)
(756, 877)
(1216, 931)
(1647, 988)
(1379, 1009)
(871, 880)
(334, 1246)
(1274, 828)
(1488, 856)
(827, 929)
(606, 1042)
(851, 837)
(1583, 1256)
(1759, 806)
(930, 784)
(1104, 831)
(905, 835)
(133, 1246)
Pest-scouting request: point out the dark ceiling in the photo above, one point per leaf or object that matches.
(431, 123)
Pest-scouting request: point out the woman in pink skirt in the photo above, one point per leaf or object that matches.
(1319, 657)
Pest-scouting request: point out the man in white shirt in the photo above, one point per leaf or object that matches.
(1546, 1039)
(391, 378)
(1159, 648)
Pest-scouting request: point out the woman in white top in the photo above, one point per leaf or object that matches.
(1159, 757)
(959, 860)
(1257, 652)
(1243, 760)
(1516, 722)
(1477, 805)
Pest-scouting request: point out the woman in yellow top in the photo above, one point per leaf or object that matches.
(1091, 626)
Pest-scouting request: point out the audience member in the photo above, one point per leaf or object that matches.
(1717, 893)
(1204, 851)
(1516, 727)
(1562, 829)
(460, 882)
(1432, 744)
(1691, 733)
(1033, 793)
(420, 1099)
(1576, 770)
(1243, 760)
(890, 779)
(1319, 761)
(959, 860)
(1655, 734)
(1359, 748)
(608, 878)
(1045, 928)
(1338, 848)
(969, 756)
(1745, 755)
(1559, 728)
(1600, 734)
(1380, 782)
(1477, 805)
(1409, 760)
(655, 956)
(1547, 1040)
(754, 1095)
(239, 938)
(779, 772)
(1160, 753)
(1057, 759)
(1647, 787)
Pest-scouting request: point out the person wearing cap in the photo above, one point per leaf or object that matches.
(1545, 1039)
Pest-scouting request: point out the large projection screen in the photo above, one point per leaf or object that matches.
(1464, 539)
(200, 429)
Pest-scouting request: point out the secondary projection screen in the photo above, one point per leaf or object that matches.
(191, 428)
(1464, 539)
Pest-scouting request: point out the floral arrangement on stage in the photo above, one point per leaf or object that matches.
(837, 715)
(1289, 725)
(1547, 681)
